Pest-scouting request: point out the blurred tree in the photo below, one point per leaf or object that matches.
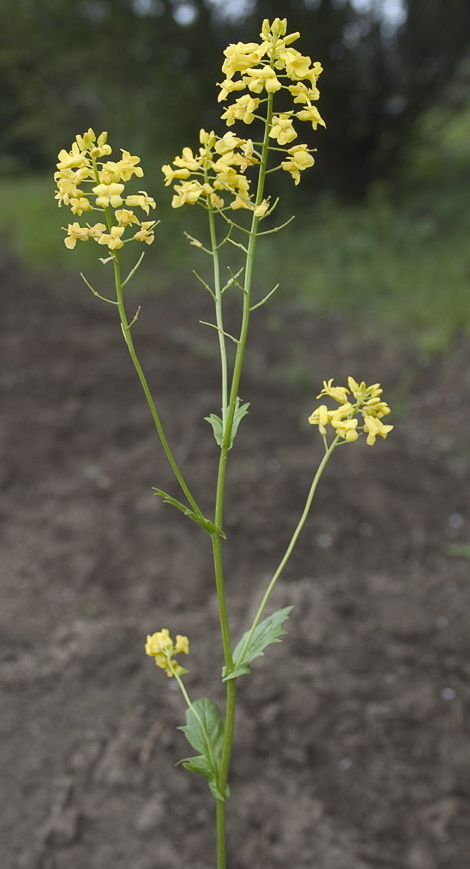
(380, 75)
(146, 71)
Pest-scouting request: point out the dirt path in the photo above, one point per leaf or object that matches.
(352, 747)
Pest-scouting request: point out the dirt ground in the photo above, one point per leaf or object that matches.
(352, 747)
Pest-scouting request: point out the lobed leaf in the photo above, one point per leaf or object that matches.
(268, 631)
(204, 731)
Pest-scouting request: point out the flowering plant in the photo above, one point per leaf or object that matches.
(226, 174)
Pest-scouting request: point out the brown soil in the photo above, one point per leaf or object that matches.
(352, 746)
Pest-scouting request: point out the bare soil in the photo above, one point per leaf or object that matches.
(352, 747)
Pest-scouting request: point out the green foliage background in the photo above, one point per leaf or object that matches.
(382, 221)
(146, 71)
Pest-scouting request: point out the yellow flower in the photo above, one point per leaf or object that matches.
(240, 202)
(96, 231)
(263, 78)
(262, 208)
(375, 427)
(311, 114)
(298, 159)
(339, 393)
(87, 140)
(216, 202)
(241, 56)
(66, 189)
(320, 417)
(228, 86)
(218, 166)
(189, 192)
(174, 174)
(145, 232)
(282, 129)
(108, 194)
(303, 94)
(141, 200)
(182, 644)
(73, 159)
(128, 166)
(345, 419)
(76, 233)
(83, 164)
(243, 109)
(113, 239)
(296, 65)
(79, 204)
(188, 160)
(227, 143)
(277, 28)
(125, 217)
(160, 646)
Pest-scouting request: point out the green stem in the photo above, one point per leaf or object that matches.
(250, 258)
(290, 547)
(220, 492)
(220, 827)
(218, 314)
(219, 583)
(126, 331)
(224, 768)
(228, 736)
(153, 410)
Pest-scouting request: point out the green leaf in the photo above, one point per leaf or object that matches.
(204, 731)
(241, 410)
(198, 518)
(197, 764)
(217, 427)
(268, 631)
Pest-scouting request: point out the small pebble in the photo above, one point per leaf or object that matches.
(455, 520)
(324, 540)
(442, 622)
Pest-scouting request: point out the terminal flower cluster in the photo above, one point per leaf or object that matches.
(264, 68)
(217, 168)
(87, 183)
(162, 649)
(346, 419)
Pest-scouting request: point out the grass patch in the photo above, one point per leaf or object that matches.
(405, 267)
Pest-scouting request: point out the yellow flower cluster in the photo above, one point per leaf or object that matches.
(344, 419)
(161, 647)
(267, 67)
(217, 167)
(87, 183)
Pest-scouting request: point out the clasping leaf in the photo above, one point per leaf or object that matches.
(204, 731)
(218, 427)
(268, 631)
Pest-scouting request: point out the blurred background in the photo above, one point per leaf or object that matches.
(386, 207)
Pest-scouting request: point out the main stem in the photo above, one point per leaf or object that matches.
(231, 685)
